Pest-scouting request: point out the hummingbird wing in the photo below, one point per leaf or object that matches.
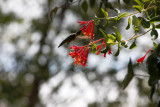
(70, 38)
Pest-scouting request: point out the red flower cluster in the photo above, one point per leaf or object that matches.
(100, 46)
(140, 60)
(80, 54)
(87, 27)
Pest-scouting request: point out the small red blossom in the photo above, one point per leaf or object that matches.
(104, 54)
(87, 27)
(140, 60)
(80, 54)
(110, 52)
(99, 47)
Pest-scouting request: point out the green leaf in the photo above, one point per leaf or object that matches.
(122, 15)
(135, 20)
(124, 44)
(129, 76)
(53, 13)
(129, 23)
(84, 6)
(113, 18)
(137, 8)
(135, 23)
(111, 39)
(93, 48)
(145, 23)
(126, 1)
(117, 11)
(155, 45)
(155, 19)
(158, 26)
(104, 34)
(140, 3)
(118, 35)
(154, 34)
(133, 45)
(105, 13)
(118, 51)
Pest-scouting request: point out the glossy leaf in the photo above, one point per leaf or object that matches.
(137, 8)
(93, 48)
(129, 76)
(122, 15)
(135, 23)
(154, 34)
(113, 18)
(118, 35)
(133, 45)
(84, 6)
(124, 44)
(104, 34)
(111, 39)
(105, 13)
(117, 11)
(140, 3)
(155, 45)
(145, 23)
(155, 19)
(118, 51)
(129, 23)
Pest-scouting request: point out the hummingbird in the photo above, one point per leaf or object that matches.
(71, 37)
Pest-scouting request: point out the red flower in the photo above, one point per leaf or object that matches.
(140, 60)
(104, 54)
(109, 52)
(80, 54)
(99, 47)
(87, 27)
